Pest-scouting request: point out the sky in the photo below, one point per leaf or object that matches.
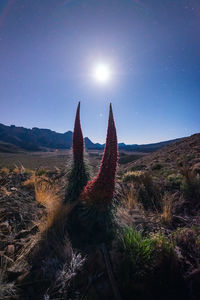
(49, 50)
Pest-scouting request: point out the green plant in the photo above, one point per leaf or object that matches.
(175, 180)
(191, 186)
(163, 246)
(132, 176)
(138, 252)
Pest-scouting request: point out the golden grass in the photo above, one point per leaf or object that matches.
(17, 170)
(47, 193)
(5, 171)
(131, 201)
(30, 183)
(5, 191)
(166, 215)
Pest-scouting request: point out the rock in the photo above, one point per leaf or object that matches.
(5, 227)
(13, 189)
(10, 249)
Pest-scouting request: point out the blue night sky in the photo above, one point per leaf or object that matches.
(49, 49)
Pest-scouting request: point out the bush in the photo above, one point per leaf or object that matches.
(188, 239)
(191, 186)
(148, 267)
(147, 193)
(132, 176)
(138, 253)
(157, 166)
(175, 180)
(142, 254)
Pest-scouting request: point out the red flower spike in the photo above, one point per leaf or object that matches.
(78, 143)
(100, 190)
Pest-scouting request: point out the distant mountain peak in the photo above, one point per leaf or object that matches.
(37, 139)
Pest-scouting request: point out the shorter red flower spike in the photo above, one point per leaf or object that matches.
(78, 143)
(99, 191)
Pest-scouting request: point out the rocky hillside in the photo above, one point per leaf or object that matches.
(183, 153)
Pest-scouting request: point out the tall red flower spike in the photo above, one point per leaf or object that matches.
(99, 191)
(78, 176)
(78, 143)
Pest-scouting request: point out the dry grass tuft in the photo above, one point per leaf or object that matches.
(131, 201)
(166, 215)
(4, 171)
(47, 193)
(56, 219)
(30, 183)
(5, 191)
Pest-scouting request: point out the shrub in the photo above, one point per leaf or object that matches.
(163, 246)
(157, 166)
(191, 186)
(148, 266)
(146, 191)
(175, 180)
(138, 253)
(188, 239)
(132, 176)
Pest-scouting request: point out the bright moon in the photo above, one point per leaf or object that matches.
(102, 73)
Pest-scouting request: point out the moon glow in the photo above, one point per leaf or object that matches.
(102, 73)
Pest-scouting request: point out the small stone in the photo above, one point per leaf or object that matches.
(13, 189)
(5, 227)
(10, 249)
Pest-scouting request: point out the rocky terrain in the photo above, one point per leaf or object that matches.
(155, 253)
(183, 153)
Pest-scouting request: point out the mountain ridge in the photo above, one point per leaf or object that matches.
(16, 139)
